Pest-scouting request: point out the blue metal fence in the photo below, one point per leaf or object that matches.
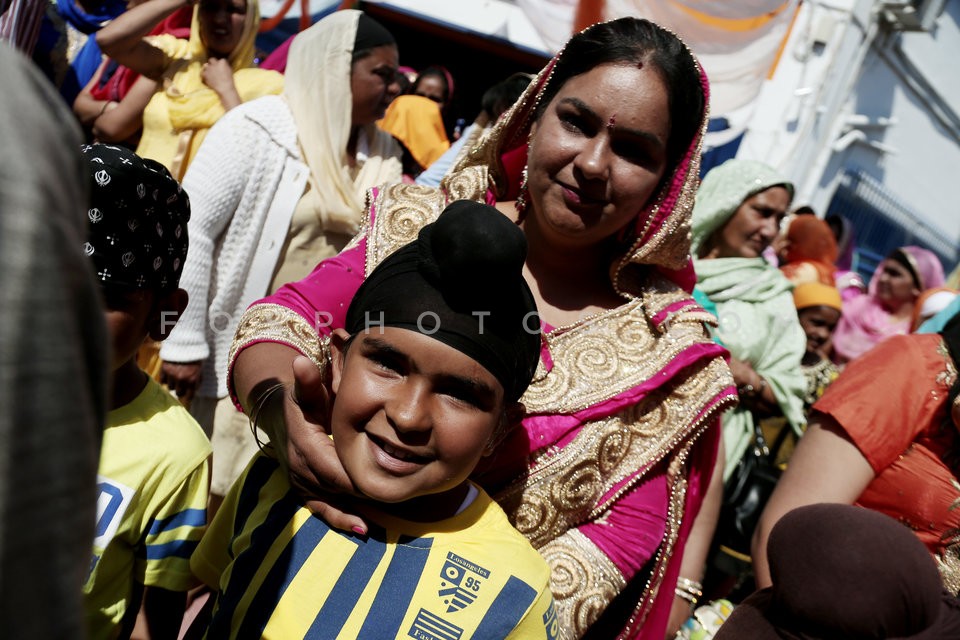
(882, 223)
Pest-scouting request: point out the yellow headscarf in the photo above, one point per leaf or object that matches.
(318, 92)
(813, 294)
(191, 106)
(417, 123)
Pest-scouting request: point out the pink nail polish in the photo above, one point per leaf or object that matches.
(359, 531)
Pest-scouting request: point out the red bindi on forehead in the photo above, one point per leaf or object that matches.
(612, 121)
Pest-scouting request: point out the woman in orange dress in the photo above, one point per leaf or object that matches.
(886, 436)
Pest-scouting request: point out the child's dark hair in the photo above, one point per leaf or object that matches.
(500, 96)
(951, 337)
(637, 41)
(437, 72)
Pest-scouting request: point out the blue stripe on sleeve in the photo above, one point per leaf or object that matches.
(285, 568)
(346, 592)
(175, 549)
(507, 610)
(396, 591)
(256, 478)
(186, 518)
(248, 563)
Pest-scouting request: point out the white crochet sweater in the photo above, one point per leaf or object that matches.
(248, 169)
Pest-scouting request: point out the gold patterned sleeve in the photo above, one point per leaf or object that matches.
(583, 580)
(276, 323)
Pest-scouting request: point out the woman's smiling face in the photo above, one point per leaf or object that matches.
(598, 153)
(411, 418)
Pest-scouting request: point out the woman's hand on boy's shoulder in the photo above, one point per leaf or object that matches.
(313, 465)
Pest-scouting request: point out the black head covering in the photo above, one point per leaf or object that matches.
(840, 571)
(951, 336)
(371, 34)
(460, 282)
(137, 231)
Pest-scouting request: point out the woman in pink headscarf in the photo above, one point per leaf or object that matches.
(887, 307)
(608, 469)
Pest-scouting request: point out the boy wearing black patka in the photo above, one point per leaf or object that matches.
(442, 339)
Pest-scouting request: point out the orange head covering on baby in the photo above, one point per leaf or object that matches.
(814, 294)
(811, 251)
(810, 238)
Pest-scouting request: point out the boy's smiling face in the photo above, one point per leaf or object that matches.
(411, 418)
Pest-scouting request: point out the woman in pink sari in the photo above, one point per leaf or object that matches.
(887, 308)
(609, 467)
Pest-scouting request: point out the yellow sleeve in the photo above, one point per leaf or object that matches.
(212, 556)
(174, 533)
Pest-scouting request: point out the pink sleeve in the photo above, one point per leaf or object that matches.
(632, 533)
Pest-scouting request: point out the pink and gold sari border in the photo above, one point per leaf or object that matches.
(276, 323)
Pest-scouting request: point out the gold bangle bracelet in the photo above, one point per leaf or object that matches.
(258, 409)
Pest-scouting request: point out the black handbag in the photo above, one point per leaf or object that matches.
(745, 494)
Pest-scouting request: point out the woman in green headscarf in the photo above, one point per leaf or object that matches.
(736, 216)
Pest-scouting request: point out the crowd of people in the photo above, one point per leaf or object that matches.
(352, 374)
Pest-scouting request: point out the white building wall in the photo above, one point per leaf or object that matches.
(844, 75)
(922, 167)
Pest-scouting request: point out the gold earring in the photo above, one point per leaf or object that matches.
(521, 203)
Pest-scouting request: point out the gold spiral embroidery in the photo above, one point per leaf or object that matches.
(601, 358)
(401, 211)
(567, 487)
(530, 515)
(563, 488)
(468, 184)
(273, 322)
(614, 447)
(948, 562)
(583, 581)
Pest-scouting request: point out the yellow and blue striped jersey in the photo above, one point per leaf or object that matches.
(153, 482)
(283, 573)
